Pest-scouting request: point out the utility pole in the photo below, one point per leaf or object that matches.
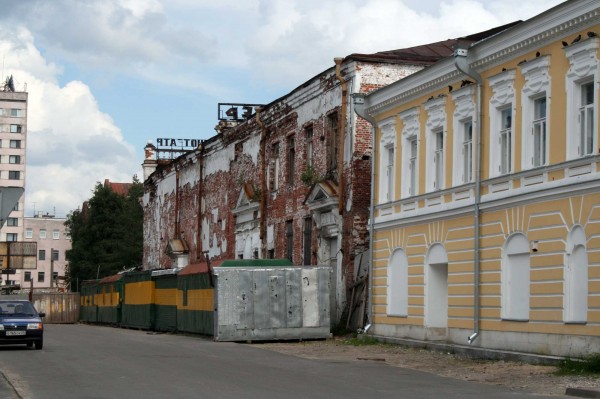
(51, 267)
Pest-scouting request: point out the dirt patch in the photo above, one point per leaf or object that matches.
(513, 375)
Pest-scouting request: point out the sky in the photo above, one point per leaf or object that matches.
(104, 77)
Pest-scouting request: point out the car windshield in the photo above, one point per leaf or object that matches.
(11, 309)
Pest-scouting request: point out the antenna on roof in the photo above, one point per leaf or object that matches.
(9, 84)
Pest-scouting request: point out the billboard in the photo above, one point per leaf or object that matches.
(18, 255)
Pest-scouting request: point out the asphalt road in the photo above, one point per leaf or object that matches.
(82, 361)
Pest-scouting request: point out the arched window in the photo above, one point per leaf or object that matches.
(515, 278)
(576, 278)
(397, 294)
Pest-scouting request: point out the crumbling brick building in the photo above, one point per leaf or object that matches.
(293, 180)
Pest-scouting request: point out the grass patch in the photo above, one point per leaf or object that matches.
(588, 365)
(360, 341)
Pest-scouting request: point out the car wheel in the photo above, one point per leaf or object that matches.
(39, 344)
(29, 344)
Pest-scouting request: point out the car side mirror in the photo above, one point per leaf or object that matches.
(42, 314)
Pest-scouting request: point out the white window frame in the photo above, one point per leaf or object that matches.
(386, 161)
(55, 234)
(584, 68)
(505, 140)
(503, 98)
(410, 164)
(466, 166)
(516, 266)
(539, 128)
(537, 86)
(435, 126)
(42, 234)
(28, 233)
(464, 114)
(397, 284)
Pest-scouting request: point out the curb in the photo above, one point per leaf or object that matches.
(582, 393)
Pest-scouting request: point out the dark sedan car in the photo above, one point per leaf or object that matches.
(20, 323)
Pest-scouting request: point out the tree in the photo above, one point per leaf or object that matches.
(106, 235)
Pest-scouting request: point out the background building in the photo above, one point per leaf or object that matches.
(13, 144)
(487, 185)
(52, 244)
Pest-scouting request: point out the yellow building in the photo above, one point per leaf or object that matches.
(486, 192)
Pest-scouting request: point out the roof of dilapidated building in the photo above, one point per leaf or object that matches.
(118, 188)
(428, 53)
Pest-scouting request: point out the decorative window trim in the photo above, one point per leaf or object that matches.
(464, 110)
(410, 131)
(503, 87)
(436, 123)
(388, 141)
(537, 85)
(584, 66)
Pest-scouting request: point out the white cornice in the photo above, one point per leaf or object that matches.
(413, 86)
(491, 202)
(554, 24)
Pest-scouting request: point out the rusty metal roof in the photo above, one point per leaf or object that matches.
(195, 268)
(428, 53)
(118, 188)
(111, 279)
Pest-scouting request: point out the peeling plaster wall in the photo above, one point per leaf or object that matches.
(232, 159)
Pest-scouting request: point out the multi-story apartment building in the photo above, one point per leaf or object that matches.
(52, 243)
(13, 140)
(290, 181)
(486, 207)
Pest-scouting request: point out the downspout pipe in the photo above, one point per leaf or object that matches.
(360, 109)
(200, 194)
(263, 183)
(341, 134)
(461, 53)
(177, 227)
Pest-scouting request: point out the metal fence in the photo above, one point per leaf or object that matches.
(60, 307)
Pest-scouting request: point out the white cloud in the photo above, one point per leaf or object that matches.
(71, 144)
(209, 48)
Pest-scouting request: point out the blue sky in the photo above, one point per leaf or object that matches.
(106, 76)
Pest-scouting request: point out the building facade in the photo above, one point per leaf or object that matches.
(487, 185)
(291, 181)
(53, 242)
(13, 140)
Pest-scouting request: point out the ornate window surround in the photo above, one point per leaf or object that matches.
(537, 85)
(410, 131)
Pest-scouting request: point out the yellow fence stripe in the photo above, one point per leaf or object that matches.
(166, 296)
(139, 293)
(202, 299)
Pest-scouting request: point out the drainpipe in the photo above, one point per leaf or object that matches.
(360, 108)
(200, 193)
(341, 133)
(176, 202)
(462, 64)
(263, 183)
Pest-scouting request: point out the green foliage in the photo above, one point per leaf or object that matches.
(361, 340)
(588, 365)
(107, 235)
(309, 176)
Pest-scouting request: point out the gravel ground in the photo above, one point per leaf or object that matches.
(513, 375)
